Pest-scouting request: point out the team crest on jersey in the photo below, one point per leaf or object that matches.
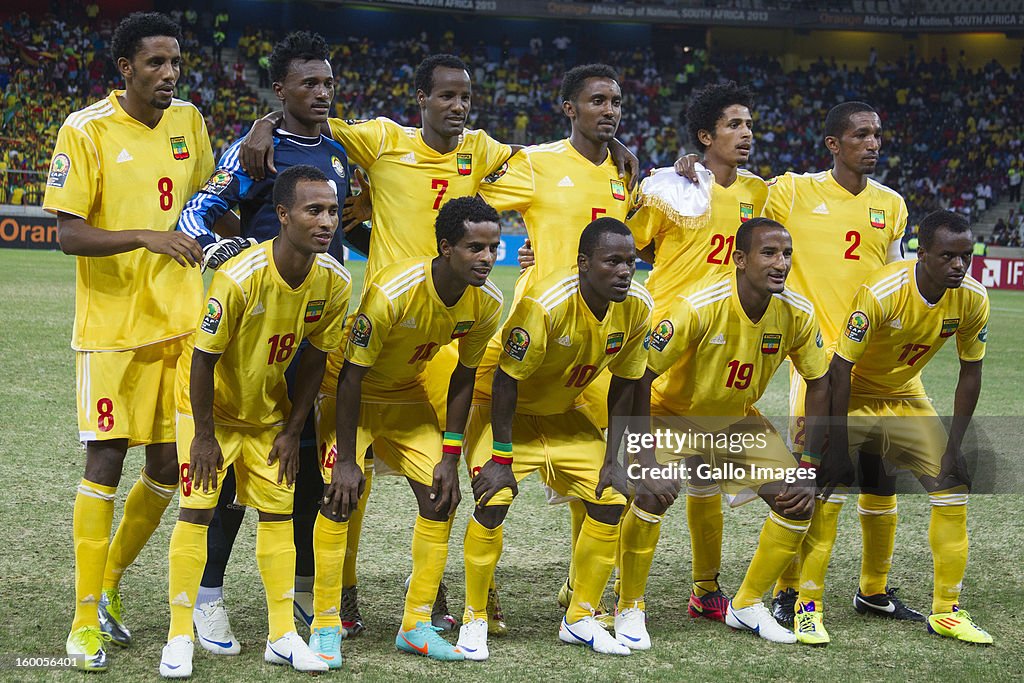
(877, 217)
(338, 167)
(857, 326)
(746, 212)
(983, 335)
(517, 343)
(497, 174)
(661, 335)
(218, 182)
(462, 328)
(771, 343)
(314, 310)
(818, 341)
(361, 329)
(464, 162)
(949, 327)
(211, 320)
(178, 148)
(60, 167)
(619, 190)
(614, 343)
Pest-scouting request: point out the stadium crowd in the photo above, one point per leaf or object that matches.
(63, 64)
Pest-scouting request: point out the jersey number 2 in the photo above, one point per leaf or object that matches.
(853, 239)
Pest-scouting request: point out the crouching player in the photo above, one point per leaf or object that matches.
(233, 405)
(409, 311)
(710, 361)
(565, 330)
(901, 317)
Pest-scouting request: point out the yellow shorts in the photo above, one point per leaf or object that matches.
(906, 432)
(436, 378)
(742, 458)
(247, 449)
(567, 449)
(404, 436)
(128, 394)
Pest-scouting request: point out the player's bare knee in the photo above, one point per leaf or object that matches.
(605, 514)
(162, 463)
(104, 461)
(490, 516)
(273, 517)
(194, 516)
(648, 503)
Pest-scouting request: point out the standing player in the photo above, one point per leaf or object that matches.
(845, 227)
(233, 405)
(720, 125)
(409, 311)
(122, 170)
(566, 329)
(901, 317)
(304, 84)
(711, 359)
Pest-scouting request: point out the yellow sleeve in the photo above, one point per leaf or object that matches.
(222, 314)
(631, 361)
(73, 183)
(473, 345)
(780, 198)
(972, 337)
(525, 339)
(808, 352)
(327, 336)
(868, 313)
(370, 328)
(495, 154)
(363, 140)
(900, 224)
(204, 164)
(645, 224)
(672, 336)
(511, 188)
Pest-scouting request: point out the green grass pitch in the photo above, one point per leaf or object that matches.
(42, 462)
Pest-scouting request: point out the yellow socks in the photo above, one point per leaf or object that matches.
(817, 550)
(637, 541)
(429, 554)
(878, 530)
(704, 518)
(143, 509)
(94, 515)
(275, 557)
(594, 556)
(779, 543)
(577, 513)
(947, 536)
(481, 550)
(187, 557)
(329, 543)
(355, 528)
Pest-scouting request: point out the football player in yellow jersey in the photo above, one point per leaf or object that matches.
(233, 405)
(409, 310)
(711, 359)
(899, 319)
(565, 330)
(720, 126)
(122, 170)
(845, 226)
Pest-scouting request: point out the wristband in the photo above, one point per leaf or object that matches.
(809, 460)
(501, 453)
(452, 444)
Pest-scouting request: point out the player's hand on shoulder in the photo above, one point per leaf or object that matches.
(444, 490)
(220, 251)
(256, 153)
(491, 478)
(358, 207)
(341, 496)
(613, 475)
(526, 259)
(179, 246)
(686, 166)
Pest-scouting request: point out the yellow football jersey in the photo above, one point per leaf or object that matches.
(839, 239)
(893, 332)
(119, 174)
(559, 192)
(684, 257)
(410, 181)
(402, 323)
(555, 346)
(712, 360)
(256, 321)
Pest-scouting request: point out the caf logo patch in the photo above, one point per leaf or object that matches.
(60, 167)
(338, 167)
(314, 310)
(211, 320)
(361, 330)
(218, 182)
(497, 174)
(614, 343)
(661, 335)
(179, 148)
(771, 343)
(857, 326)
(517, 343)
(949, 327)
(464, 162)
(983, 335)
